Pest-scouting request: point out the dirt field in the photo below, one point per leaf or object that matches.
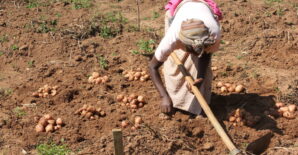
(61, 42)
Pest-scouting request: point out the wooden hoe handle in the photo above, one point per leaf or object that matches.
(206, 108)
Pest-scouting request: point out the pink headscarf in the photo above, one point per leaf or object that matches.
(172, 5)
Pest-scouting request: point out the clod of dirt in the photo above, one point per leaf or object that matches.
(198, 132)
(96, 79)
(78, 58)
(45, 91)
(48, 124)
(138, 74)
(208, 146)
(90, 112)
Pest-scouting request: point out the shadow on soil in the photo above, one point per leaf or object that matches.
(255, 104)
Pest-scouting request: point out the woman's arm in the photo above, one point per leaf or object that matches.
(166, 104)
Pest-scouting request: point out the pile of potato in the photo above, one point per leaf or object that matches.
(137, 121)
(228, 87)
(241, 117)
(287, 111)
(135, 75)
(132, 101)
(90, 112)
(48, 124)
(46, 91)
(96, 79)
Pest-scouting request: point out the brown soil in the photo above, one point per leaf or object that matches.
(60, 45)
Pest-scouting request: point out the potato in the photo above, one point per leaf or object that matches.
(35, 94)
(142, 79)
(292, 107)
(239, 88)
(51, 121)
(54, 92)
(105, 79)
(48, 116)
(95, 75)
(284, 109)
(49, 128)
(232, 118)
(238, 119)
(133, 96)
(137, 74)
(141, 99)
(84, 112)
(133, 128)
(119, 97)
(88, 114)
(223, 89)
(124, 124)
(39, 128)
(219, 84)
(91, 109)
(42, 121)
(146, 77)
(102, 113)
(138, 120)
(98, 110)
(288, 115)
(227, 85)
(133, 106)
(143, 73)
(125, 100)
(130, 78)
(59, 121)
(279, 104)
(237, 113)
(232, 88)
(134, 101)
(85, 106)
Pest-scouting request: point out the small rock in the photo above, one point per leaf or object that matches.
(208, 146)
(24, 47)
(78, 58)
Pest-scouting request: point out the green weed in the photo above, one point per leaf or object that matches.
(155, 15)
(4, 92)
(14, 47)
(31, 63)
(1, 53)
(3, 38)
(108, 25)
(52, 149)
(145, 47)
(103, 63)
(32, 4)
(19, 112)
(79, 4)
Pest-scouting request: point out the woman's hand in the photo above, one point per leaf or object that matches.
(166, 104)
(198, 82)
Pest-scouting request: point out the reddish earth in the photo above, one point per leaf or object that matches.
(56, 44)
